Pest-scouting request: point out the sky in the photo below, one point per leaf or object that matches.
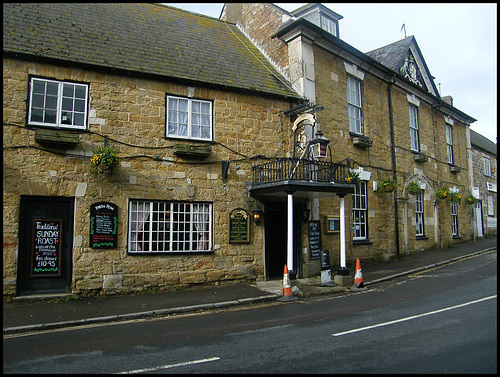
(458, 42)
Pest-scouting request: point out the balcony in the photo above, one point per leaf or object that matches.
(291, 175)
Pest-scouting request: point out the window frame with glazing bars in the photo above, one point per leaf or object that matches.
(419, 214)
(62, 104)
(449, 143)
(414, 129)
(454, 219)
(193, 119)
(355, 103)
(360, 212)
(169, 227)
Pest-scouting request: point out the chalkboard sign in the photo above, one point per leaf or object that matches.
(239, 230)
(46, 248)
(332, 224)
(314, 238)
(103, 225)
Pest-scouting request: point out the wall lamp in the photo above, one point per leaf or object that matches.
(257, 214)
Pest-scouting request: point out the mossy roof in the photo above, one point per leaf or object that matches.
(150, 39)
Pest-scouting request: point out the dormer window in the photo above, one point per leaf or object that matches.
(321, 16)
(328, 24)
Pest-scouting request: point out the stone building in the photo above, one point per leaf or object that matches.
(484, 160)
(383, 115)
(212, 121)
(187, 103)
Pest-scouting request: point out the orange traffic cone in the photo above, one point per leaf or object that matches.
(358, 278)
(287, 294)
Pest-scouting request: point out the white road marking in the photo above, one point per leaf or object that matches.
(170, 366)
(413, 317)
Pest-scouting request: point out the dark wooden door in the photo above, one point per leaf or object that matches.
(45, 259)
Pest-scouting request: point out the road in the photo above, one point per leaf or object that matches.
(437, 321)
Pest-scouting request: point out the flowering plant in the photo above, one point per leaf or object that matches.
(445, 193)
(456, 197)
(471, 199)
(388, 185)
(104, 161)
(351, 178)
(414, 188)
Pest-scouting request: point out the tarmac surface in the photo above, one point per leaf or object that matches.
(36, 313)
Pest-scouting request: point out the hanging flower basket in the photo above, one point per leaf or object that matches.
(443, 193)
(351, 178)
(471, 200)
(414, 188)
(388, 185)
(456, 197)
(104, 162)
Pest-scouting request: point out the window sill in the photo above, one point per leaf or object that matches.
(361, 242)
(360, 141)
(420, 157)
(56, 137)
(185, 150)
(455, 168)
(422, 238)
(456, 237)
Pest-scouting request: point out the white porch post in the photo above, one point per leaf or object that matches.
(289, 259)
(342, 233)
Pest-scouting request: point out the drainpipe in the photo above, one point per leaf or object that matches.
(393, 156)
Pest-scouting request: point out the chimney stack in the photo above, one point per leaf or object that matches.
(448, 100)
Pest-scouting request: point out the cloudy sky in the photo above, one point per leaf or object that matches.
(458, 42)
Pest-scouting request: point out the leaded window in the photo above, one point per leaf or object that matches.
(159, 227)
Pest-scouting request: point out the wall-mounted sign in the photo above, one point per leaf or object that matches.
(332, 224)
(315, 238)
(103, 225)
(239, 229)
(46, 248)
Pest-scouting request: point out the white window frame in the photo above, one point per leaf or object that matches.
(491, 207)
(355, 106)
(454, 218)
(59, 103)
(419, 214)
(173, 118)
(360, 212)
(449, 143)
(169, 227)
(328, 24)
(487, 166)
(414, 133)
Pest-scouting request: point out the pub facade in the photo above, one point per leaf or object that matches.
(183, 152)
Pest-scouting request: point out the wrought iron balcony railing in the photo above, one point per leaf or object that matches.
(294, 169)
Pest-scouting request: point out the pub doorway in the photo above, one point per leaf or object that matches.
(45, 257)
(275, 228)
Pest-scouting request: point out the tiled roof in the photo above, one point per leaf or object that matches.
(147, 38)
(483, 143)
(392, 54)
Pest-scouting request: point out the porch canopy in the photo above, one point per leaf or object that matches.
(289, 177)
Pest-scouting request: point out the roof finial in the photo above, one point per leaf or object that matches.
(403, 28)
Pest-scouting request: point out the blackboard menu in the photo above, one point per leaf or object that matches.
(239, 226)
(46, 248)
(103, 225)
(314, 238)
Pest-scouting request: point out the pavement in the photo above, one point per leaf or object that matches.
(44, 312)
